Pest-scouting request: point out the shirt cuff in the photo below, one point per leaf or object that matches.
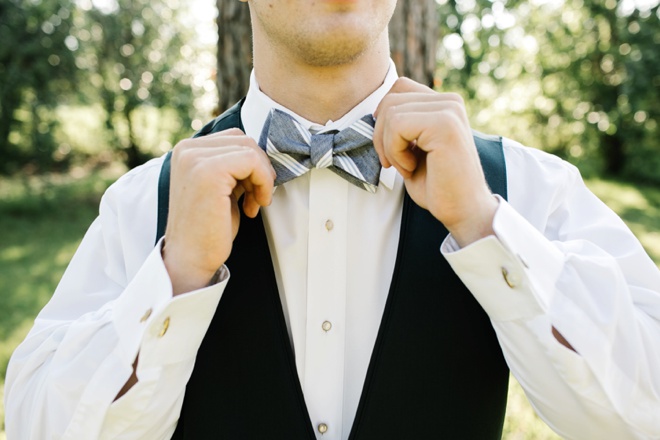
(163, 328)
(512, 274)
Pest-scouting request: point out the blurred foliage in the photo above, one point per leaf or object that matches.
(127, 55)
(97, 80)
(579, 78)
(35, 67)
(135, 57)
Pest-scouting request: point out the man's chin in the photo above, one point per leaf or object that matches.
(340, 5)
(332, 52)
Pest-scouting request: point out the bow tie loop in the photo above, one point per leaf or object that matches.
(294, 151)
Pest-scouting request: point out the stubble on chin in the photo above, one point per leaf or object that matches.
(319, 52)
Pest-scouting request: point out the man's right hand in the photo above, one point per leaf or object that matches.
(209, 174)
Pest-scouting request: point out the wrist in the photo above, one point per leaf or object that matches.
(186, 277)
(476, 226)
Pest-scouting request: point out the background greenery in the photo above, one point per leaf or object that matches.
(89, 88)
(105, 80)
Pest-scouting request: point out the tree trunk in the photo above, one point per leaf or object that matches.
(614, 154)
(133, 154)
(234, 52)
(413, 39)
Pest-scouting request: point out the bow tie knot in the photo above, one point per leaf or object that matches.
(294, 151)
(320, 150)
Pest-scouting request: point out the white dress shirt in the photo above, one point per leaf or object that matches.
(559, 257)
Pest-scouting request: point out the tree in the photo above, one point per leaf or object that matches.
(413, 38)
(234, 52)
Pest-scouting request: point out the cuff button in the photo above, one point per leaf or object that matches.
(163, 329)
(510, 279)
(146, 315)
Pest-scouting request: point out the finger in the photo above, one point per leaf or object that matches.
(398, 145)
(234, 131)
(396, 99)
(437, 107)
(238, 191)
(215, 140)
(226, 138)
(250, 205)
(411, 132)
(201, 150)
(415, 94)
(405, 85)
(239, 165)
(412, 103)
(255, 197)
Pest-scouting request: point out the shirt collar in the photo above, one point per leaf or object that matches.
(258, 105)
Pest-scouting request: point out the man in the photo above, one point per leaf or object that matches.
(129, 347)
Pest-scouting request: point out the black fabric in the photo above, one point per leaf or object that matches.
(436, 370)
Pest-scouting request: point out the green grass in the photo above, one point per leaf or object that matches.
(42, 221)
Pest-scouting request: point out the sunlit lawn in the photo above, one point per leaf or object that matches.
(43, 220)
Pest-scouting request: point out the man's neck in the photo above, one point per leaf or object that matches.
(321, 93)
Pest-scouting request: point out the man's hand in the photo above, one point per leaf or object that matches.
(426, 136)
(209, 175)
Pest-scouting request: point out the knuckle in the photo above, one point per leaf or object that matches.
(232, 132)
(394, 117)
(251, 156)
(183, 155)
(387, 101)
(183, 144)
(456, 98)
(405, 81)
(250, 152)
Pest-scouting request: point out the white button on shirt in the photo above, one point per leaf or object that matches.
(572, 263)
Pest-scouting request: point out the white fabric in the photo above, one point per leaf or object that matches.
(572, 262)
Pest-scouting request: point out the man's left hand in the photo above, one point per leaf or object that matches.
(426, 136)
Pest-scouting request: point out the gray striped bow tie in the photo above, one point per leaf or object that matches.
(293, 150)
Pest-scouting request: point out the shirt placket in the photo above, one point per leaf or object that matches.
(326, 303)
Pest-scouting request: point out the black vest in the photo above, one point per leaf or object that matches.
(436, 370)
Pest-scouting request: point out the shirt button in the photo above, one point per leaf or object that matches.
(146, 315)
(163, 329)
(511, 279)
(326, 326)
(323, 428)
(329, 225)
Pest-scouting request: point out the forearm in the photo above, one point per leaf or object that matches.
(530, 286)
